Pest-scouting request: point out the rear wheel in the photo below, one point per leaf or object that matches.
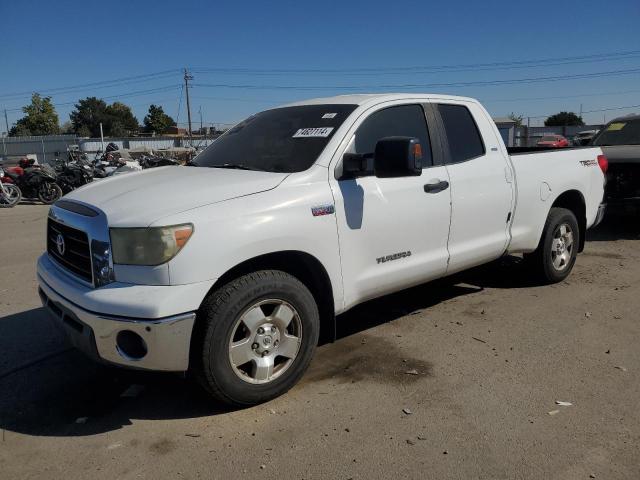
(556, 254)
(49, 193)
(255, 337)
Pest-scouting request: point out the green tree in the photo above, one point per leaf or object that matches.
(87, 116)
(516, 118)
(117, 119)
(40, 118)
(563, 119)
(67, 127)
(120, 120)
(157, 121)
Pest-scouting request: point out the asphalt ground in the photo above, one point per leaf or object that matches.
(453, 379)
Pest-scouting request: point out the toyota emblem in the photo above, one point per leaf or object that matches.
(60, 244)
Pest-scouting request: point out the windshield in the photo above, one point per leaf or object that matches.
(549, 139)
(288, 139)
(620, 132)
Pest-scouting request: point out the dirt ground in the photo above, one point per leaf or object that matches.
(476, 362)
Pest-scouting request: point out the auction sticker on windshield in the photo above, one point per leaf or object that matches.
(321, 132)
(615, 126)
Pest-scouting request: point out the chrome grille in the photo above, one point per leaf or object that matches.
(70, 248)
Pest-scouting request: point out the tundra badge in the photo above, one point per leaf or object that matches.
(395, 256)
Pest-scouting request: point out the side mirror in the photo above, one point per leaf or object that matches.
(354, 165)
(398, 157)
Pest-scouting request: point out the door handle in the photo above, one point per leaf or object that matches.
(436, 186)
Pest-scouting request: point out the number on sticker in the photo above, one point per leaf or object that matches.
(321, 132)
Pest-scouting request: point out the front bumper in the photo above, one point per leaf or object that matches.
(163, 344)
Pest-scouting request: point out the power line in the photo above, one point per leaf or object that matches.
(599, 94)
(485, 100)
(601, 57)
(102, 84)
(124, 95)
(425, 85)
(590, 111)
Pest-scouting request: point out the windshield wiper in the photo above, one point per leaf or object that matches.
(236, 166)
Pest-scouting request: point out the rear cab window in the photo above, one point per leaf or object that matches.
(463, 136)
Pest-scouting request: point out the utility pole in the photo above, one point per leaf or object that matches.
(580, 110)
(6, 121)
(101, 139)
(188, 77)
(200, 112)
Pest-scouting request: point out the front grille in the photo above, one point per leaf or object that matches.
(76, 255)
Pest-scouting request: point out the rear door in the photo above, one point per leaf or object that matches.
(481, 185)
(393, 231)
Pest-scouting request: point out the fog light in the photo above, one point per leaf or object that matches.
(131, 345)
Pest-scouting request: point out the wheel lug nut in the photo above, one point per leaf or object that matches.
(254, 346)
(265, 353)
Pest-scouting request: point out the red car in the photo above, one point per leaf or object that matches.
(554, 141)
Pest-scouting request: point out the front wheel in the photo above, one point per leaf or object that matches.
(10, 195)
(556, 254)
(255, 337)
(49, 193)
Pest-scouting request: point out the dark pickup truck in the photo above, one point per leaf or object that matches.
(620, 142)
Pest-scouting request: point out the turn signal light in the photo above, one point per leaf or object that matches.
(182, 236)
(417, 151)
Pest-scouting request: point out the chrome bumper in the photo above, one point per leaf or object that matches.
(159, 344)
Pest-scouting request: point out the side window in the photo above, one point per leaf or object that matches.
(462, 132)
(400, 121)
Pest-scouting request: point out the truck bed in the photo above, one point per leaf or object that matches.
(541, 175)
(522, 150)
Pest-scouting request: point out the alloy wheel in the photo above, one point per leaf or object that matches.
(265, 341)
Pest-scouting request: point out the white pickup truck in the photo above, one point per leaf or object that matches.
(232, 267)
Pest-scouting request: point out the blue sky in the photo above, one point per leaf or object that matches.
(319, 49)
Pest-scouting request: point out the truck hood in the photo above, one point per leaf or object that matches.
(622, 153)
(138, 199)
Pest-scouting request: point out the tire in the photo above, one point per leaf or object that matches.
(260, 318)
(13, 198)
(49, 193)
(555, 256)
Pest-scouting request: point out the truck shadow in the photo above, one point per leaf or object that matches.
(47, 389)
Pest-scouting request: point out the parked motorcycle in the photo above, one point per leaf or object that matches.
(34, 181)
(107, 163)
(73, 174)
(10, 194)
(153, 162)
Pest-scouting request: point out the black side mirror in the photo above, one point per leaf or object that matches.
(398, 157)
(354, 165)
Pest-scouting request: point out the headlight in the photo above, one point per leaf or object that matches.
(148, 246)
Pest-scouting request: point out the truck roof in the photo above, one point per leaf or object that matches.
(633, 116)
(373, 98)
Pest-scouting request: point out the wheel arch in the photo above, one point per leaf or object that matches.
(573, 200)
(306, 268)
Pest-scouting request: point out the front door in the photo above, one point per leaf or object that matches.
(393, 231)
